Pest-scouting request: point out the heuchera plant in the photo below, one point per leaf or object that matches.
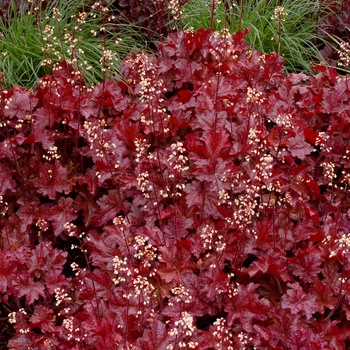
(201, 202)
(335, 27)
(156, 18)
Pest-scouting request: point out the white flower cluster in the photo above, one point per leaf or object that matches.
(120, 269)
(175, 9)
(180, 293)
(222, 335)
(177, 160)
(212, 239)
(343, 244)
(183, 326)
(51, 154)
(144, 251)
(279, 16)
(329, 172)
(143, 287)
(61, 296)
(254, 96)
(4, 206)
(344, 54)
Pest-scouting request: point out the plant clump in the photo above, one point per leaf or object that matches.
(201, 202)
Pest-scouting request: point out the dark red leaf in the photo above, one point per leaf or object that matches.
(32, 290)
(298, 147)
(246, 306)
(184, 95)
(174, 262)
(306, 264)
(155, 336)
(6, 180)
(43, 318)
(298, 302)
(53, 179)
(21, 104)
(200, 198)
(109, 207)
(61, 214)
(45, 260)
(274, 265)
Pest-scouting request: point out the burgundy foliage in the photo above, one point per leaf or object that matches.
(153, 17)
(335, 24)
(202, 202)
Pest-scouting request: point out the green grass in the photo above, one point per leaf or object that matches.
(20, 48)
(297, 33)
(21, 45)
(22, 39)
